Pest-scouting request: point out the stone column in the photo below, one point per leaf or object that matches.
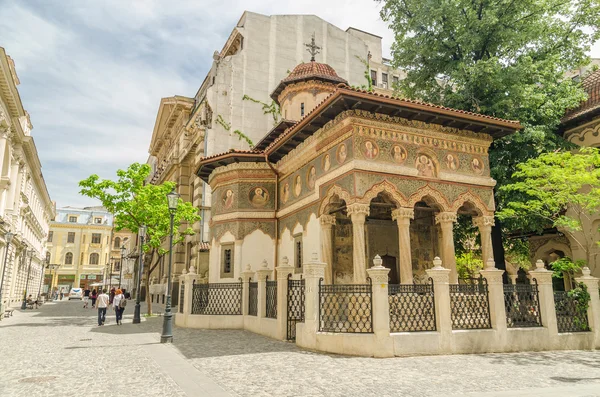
(543, 277)
(446, 221)
(403, 216)
(496, 298)
(247, 275)
(262, 275)
(484, 224)
(327, 222)
(513, 278)
(594, 309)
(443, 311)
(313, 272)
(358, 213)
(381, 309)
(283, 273)
(188, 280)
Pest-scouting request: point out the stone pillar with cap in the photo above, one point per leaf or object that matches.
(188, 280)
(381, 309)
(493, 276)
(402, 216)
(247, 275)
(446, 221)
(443, 312)
(262, 275)
(358, 213)
(327, 223)
(594, 308)
(314, 271)
(283, 273)
(484, 224)
(543, 277)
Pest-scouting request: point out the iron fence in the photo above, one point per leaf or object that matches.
(522, 305)
(271, 297)
(569, 317)
(470, 305)
(252, 298)
(295, 305)
(412, 307)
(217, 299)
(181, 295)
(346, 308)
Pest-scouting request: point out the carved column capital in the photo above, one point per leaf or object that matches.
(327, 220)
(484, 221)
(403, 214)
(445, 218)
(358, 209)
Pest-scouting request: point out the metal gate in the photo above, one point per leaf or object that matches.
(295, 306)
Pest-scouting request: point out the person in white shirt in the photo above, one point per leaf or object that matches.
(119, 305)
(102, 304)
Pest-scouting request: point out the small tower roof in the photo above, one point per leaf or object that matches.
(308, 71)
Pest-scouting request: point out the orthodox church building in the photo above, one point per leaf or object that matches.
(351, 174)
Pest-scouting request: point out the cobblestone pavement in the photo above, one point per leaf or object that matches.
(51, 351)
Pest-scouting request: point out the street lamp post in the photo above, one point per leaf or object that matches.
(121, 265)
(43, 271)
(8, 238)
(24, 303)
(167, 333)
(136, 313)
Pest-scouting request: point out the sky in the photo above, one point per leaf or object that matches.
(93, 72)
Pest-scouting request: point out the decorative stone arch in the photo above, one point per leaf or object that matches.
(470, 197)
(551, 245)
(588, 133)
(385, 187)
(335, 190)
(428, 191)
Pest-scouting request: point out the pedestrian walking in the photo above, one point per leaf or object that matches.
(62, 293)
(112, 294)
(102, 303)
(94, 296)
(119, 304)
(86, 298)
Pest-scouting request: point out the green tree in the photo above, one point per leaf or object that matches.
(561, 188)
(134, 203)
(503, 58)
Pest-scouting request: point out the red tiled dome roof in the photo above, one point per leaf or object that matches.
(308, 71)
(591, 86)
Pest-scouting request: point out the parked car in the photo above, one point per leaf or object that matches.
(76, 293)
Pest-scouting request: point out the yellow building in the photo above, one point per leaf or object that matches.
(81, 243)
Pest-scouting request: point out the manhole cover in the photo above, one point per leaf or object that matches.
(38, 379)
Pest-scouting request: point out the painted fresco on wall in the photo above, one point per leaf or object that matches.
(370, 150)
(326, 162)
(423, 245)
(311, 178)
(259, 197)
(477, 165)
(342, 252)
(227, 199)
(298, 185)
(399, 154)
(425, 166)
(341, 154)
(451, 161)
(285, 193)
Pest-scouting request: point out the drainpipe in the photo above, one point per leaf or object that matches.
(276, 251)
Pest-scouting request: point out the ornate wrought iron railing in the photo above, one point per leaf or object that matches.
(470, 305)
(412, 307)
(568, 317)
(253, 298)
(271, 297)
(346, 308)
(181, 295)
(217, 299)
(295, 306)
(522, 305)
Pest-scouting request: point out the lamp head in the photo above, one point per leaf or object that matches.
(142, 231)
(173, 200)
(9, 236)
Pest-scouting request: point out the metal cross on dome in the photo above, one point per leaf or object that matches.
(312, 49)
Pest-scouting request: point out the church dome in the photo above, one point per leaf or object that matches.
(308, 71)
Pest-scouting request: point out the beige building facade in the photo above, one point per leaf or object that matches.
(25, 205)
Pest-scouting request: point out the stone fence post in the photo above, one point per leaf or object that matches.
(262, 274)
(543, 277)
(493, 277)
(188, 292)
(313, 272)
(246, 277)
(594, 309)
(381, 308)
(283, 272)
(443, 311)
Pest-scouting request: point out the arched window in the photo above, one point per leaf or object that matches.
(117, 243)
(69, 258)
(94, 259)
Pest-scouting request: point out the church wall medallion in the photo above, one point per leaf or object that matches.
(297, 186)
(259, 197)
(311, 177)
(451, 161)
(285, 193)
(370, 150)
(227, 199)
(341, 153)
(326, 162)
(425, 166)
(477, 165)
(399, 154)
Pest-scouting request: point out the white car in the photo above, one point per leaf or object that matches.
(76, 293)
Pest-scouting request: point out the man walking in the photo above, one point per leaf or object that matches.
(102, 304)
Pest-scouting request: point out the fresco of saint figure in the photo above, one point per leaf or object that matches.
(326, 162)
(341, 153)
(399, 154)
(451, 162)
(477, 165)
(371, 151)
(298, 186)
(425, 166)
(285, 193)
(311, 178)
(259, 197)
(227, 199)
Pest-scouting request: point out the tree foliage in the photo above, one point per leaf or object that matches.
(503, 58)
(563, 189)
(134, 203)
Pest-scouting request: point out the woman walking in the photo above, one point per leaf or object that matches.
(94, 296)
(119, 303)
